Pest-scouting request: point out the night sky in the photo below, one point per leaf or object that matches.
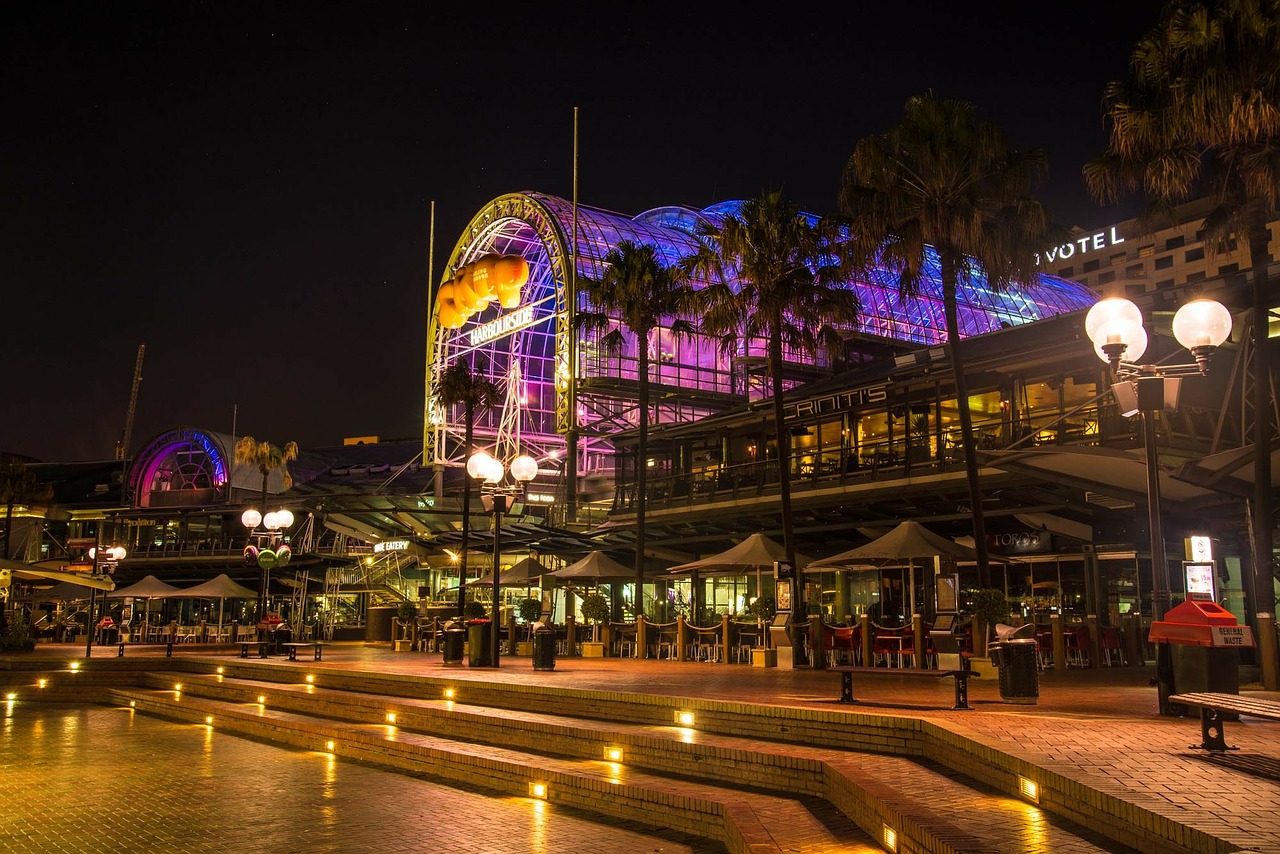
(247, 189)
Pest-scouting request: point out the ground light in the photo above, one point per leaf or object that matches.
(448, 693)
(890, 838)
(613, 754)
(1029, 790)
(538, 790)
(684, 718)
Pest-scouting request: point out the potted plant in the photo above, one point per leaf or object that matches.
(763, 608)
(990, 606)
(17, 638)
(595, 610)
(408, 617)
(528, 610)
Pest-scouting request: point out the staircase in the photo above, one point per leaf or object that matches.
(749, 778)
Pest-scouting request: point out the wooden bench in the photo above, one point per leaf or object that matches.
(168, 647)
(315, 646)
(262, 646)
(961, 676)
(1215, 708)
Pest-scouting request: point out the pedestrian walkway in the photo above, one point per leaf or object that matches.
(1095, 730)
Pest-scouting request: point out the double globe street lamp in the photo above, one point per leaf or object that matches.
(1115, 327)
(497, 494)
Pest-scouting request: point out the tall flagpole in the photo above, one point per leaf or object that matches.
(571, 306)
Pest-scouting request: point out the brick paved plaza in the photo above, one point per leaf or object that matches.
(80, 776)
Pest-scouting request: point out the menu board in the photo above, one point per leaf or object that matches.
(1200, 580)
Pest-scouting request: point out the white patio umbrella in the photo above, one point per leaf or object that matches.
(903, 546)
(148, 588)
(757, 552)
(222, 587)
(594, 566)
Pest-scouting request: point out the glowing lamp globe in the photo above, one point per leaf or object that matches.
(271, 521)
(524, 468)
(478, 464)
(1116, 324)
(250, 518)
(285, 518)
(1202, 323)
(117, 553)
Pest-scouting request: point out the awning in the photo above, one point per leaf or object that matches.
(1120, 474)
(31, 572)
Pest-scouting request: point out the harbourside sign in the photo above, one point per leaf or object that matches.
(505, 325)
(1080, 246)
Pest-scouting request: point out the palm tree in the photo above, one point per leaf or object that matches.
(459, 385)
(1202, 113)
(789, 293)
(18, 485)
(266, 458)
(946, 189)
(640, 292)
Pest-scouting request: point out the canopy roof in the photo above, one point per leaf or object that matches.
(524, 573)
(34, 572)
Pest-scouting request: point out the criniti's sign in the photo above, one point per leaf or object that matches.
(508, 323)
(1080, 246)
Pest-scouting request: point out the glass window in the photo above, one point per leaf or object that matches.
(1164, 262)
(1175, 242)
(1196, 254)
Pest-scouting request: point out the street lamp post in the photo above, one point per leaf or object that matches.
(104, 561)
(497, 494)
(267, 549)
(1114, 326)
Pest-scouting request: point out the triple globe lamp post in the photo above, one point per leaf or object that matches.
(268, 549)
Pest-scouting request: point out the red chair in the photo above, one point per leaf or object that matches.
(1111, 645)
(844, 644)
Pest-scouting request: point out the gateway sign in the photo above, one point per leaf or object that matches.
(508, 323)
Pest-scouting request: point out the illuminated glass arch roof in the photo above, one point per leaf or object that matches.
(534, 359)
(183, 459)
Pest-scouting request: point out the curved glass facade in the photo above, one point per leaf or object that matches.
(556, 381)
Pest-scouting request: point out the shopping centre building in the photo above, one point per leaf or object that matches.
(873, 435)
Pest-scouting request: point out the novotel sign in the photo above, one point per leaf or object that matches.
(505, 325)
(1081, 246)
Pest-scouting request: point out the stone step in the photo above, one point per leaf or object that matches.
(874, 790)
(742, 820)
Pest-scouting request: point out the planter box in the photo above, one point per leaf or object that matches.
(984, 668)
(591, 649)
(404, 646)
(764, 658)
(524, 648)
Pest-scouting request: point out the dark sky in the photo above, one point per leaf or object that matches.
(247, 189)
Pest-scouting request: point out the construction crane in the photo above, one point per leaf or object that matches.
(122, 446)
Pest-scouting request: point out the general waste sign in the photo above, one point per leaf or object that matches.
(1238, 636)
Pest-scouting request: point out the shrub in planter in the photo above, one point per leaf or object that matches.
(529, 609)
(407, 614)
(474, 610)
(16, 637)
(763, 609)
(595, 610)
(990, 606)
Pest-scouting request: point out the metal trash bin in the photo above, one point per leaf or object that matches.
(453, 642)
(1203, 642)
(1014, 655)
(479, 646)
(544, 647)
